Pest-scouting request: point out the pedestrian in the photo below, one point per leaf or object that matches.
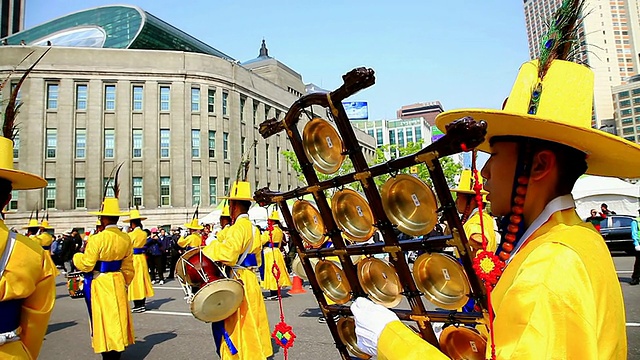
(595, 219)
(141, 287)
(155, 252)
(273, 239)
(559, 290)
(176, 251)
(604, 210)
(635, 235)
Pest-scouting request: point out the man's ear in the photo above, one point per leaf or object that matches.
(543, 163)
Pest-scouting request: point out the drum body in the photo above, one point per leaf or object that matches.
(75, 284)
(197, 270)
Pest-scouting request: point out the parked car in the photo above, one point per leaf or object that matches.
(616, 231)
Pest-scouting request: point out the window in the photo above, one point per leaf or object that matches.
(136, 101)
(255, 111)
(409, 132)
(267, 110)
(109, 143)
(213, 190)
(225, 99)
(81, 193)
(400, 138)
(266, 155)
(636, 91)
(226, 186)
(19, 96)
(108, 185)
(165, 191)
(81, 143)
(164, 98)
(636, 101)
(625, 103)
(212, 143)
(225, 146)
(370, 132)
(109, 97)
(137, 191)
(278, 157)
(195, 143)
(242, 142)
(13, 204)
(195, 99)
(52, 143)
(164, 143)
(619, 221)
(81, 97)
(52, 96)
(243, 101)
(418, 132)
(211, 101)
(137, 143)
(255, 155)
(624, 94)
(392, 137)
(379, 139)
(627, 121)
(195, 190)
(16, 146)
(50, 194)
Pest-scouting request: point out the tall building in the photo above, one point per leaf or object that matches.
(11, 17)
(398, 132)
(129, 87)
(610, 43)
(626, 100)
(426, 110)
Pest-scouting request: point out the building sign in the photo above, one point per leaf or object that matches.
(403, 123)
(436, 134)
(356, 110)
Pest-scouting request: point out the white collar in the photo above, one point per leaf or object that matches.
(111, 226)
(242, 216)
(560, 203)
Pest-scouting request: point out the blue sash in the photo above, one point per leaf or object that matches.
(270, 245)
(10, 315)
(261, 268)
(188, 248)
(249, 261)
(47, 247)
(138, 251)
(103, 267)
(220, 333)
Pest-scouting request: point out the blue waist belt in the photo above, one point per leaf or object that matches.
(10, 315)
(103, 267)
(47, 247)
(138, 251)
(270, 245)
(189, 248)
(249, 261)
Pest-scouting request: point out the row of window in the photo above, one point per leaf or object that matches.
(80, 192)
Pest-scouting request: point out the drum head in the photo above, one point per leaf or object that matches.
(181, 265)
(218, 300)
(442, 280)
(462, 343)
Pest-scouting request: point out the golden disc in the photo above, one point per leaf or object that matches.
(462, 343)
(347, 333)
(333, 281)
(352, 215)
(308, 222)
(323, 146)
(380, 280)
(442, 280)
(410, 204)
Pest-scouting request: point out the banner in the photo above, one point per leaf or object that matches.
(356, 110)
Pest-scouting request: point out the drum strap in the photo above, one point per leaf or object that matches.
(9, 309)
(249, 262)
(220, 333)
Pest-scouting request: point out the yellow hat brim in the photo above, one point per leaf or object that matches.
(470, 192)
(188, 226)
(236, 198)
(29, 227)
(607, 154)
(109, 214)
(22, 180)
(135, 218)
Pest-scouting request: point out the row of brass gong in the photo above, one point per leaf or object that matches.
(410, 204)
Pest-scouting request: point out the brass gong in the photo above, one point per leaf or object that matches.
(333, 281)
(347, 333)
(410, 204)
(352, 215)
(308, 222)
(442, 280)
(380, 281)
(462, 343)
(323, 146)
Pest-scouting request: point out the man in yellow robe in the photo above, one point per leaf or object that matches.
(32, 228)
(46, 239)
(272, 253)
(468, 207)
(225, 223)
(559, 296)
(108, 265)
(193, 240)
(245, 335)
(140, 288)
(27, 277)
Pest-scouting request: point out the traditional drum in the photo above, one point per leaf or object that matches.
(219, 295)
(75, 284)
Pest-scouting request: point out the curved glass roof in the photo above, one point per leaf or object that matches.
(115, 27)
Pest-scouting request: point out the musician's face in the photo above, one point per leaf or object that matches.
(498, 172)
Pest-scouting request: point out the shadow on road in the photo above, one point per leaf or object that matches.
(59, 326)
(156, 303)
(142, 348)
(311, 312)
(624, 279)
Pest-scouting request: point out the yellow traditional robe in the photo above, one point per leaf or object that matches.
(45, 241)
(249, 326)
(222, 233)
(559, 298)
(140, 287)
(28, 276)
(193, 240)
(472, 226)
(272, 255)
(112, 324)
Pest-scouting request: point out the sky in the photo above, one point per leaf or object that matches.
(465, 54)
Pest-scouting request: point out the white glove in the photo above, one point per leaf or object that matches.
(637, 247)
(370, 321)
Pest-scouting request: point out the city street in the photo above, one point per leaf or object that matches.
(169, 331)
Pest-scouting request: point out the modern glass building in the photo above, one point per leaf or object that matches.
(113, 27)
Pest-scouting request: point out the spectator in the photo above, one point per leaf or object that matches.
(68, 250)
(635, 276)
(176, 251)
(595, 219)
(604, 210)
(155, 252)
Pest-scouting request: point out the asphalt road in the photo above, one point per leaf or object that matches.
(169, 331)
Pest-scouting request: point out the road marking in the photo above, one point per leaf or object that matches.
(157, 312)
(624, 271)
(633, 324)
(167, 287)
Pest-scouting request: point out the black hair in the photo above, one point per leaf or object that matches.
(136, 222)
(244, 205)
(5, 191)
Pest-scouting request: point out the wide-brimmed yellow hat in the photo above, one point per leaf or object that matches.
(33, 223)
(110, 207)
(134, 214)
(240, 190)
(98, 223)
(193, 224)
(20, 180)
(225, 211)
(465, 185)
(274, 216)
(556, 108)
(45, 225)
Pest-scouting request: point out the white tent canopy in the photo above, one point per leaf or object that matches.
(620, 196)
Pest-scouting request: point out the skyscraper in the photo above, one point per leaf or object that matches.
(607, 44)
(12, 17)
